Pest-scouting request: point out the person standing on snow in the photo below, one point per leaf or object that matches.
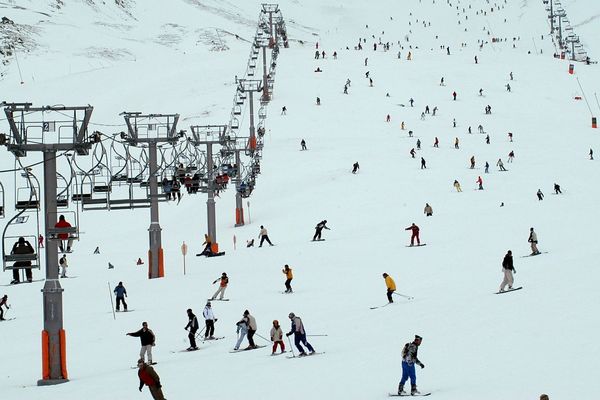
(209, 321)
(303, 144)
(557, 188)
(263, 235)
(409, 359)
(288, 278)
(390, 285)
(500, 165)
(320, 226)
(355, 167)
(63, 265)
(3, 301)
(224, 281)
(277, 337)
(540, 195)
(472, 162)
(428, 211)
(415, 234)
(242, 330)
(147, 340)
(299, 335)
(479, 181)
(487, 167)
(423, 163)
(150, 378)
(192, 325)
(533, 240)
(121, 293)
(508, 269)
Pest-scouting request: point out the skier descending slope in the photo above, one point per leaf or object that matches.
(409, 359)
(390, 286)
(299, 335)
(193, 327)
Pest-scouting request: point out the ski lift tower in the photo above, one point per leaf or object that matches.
(271, 9)
(264, 43)
(560, 13)
(50, 129)
(210, 135)
(151, 129)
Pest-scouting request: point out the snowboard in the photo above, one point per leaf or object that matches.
(241, 350)
(318, 240)
(408, 394)
(510, 290)
(417, 245)
(316, 353)
(533, 255)
(217, 299)
(286, 292)
(7, 319)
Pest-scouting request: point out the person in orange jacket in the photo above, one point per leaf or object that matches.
(390, 285)
(415, 234)
(289, 276)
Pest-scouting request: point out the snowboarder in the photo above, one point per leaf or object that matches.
(303, 144)
(442, 81)
(287, 271)
(487, 167)
(263, 235)
(207, 246)
(277, 337)
(388, 118)
(97, 251)
(147, 340)
(456, 143)
(390, 285)
(284, 110)
(436, 142)
(402, 125)
(457, 186)
(412, 152)
(409, 359)
(209, 321)
(355, 167)
(534, 241)
(476, 60)
(591, 158)
(150, 378)
(508, 87)
(557, 188)
(224, 281)
(508, 269)
(428, 211)
(540, 195)
(320, 226)
(472, 162)
(423, 165)
(41, 238)
(479, 181)
(411, 101)
(192, 325)
(415, 234)
(3, 301)
(63, 265)
(318, 101)
(299, 335)
(454, 122)
(345, 89)
(22, 246)
(61, 224)
(487, 139)
(418, 144)
(510, 136)
(500, 165)
(511, 156)
(454, 95)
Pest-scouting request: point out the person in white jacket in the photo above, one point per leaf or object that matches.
(263, 235)
(209, 320)
(277, 337)
(533, 240)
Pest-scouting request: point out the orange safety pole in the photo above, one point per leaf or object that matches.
(45, 355)
(63, 353)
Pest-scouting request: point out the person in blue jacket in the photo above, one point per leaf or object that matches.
(121, 293)
(299, 335)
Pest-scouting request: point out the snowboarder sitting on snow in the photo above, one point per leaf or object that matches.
(250, 243)
(299, 335)
(208, 246)
(409, 359)
(277, 337)
(320, 226)
(415, 234)
(390, 285)
(150, 378)
(3, 301)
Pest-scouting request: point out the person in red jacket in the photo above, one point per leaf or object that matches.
(415, 234)
(62, 223)
(150, 378)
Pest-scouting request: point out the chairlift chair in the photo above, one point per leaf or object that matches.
(1, 200)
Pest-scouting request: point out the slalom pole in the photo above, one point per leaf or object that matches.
(291, 347)
(403, 295)
(111, 301)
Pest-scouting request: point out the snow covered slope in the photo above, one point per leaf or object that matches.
(477, 345)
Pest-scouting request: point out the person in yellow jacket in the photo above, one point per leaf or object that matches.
(289, 276)
(391, 286)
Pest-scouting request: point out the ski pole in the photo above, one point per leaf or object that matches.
(111, 302)
(403, 295)
(199, 333)
(318, 335)
(262, 337)
(291, 348)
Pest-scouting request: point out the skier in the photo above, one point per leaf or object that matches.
(456, 143)
(511, 156)
(534, 241)
(402, 125)
(479, 181)
(320, 226)
(454, 122)
(411, 101)
(355, 167)
(487, 167)
(284, 110)
(264, 236)
(299, 335)
(436, 142)
(510, 136)
(318, 101)
(147, 340)
(500, 165)
(121, 293)
(303, 144)
(557, 188)
(508, 269)
(480, 129)
(409, 359)
(390, 285)
(412, 152)
(277, 337)
(472, 162)
(487, 139)
(428, 211)
(287, 271)
(62, 262)
(388, 118)
(508, 87)
(540, 195)
(366, 61)
(150, 378)
(41, 238)
(476, 60)
(434, 110)
(457, 186)
(242, 330)
(62, 223)
(454, 95)
(345, 89)
(97, 251)
(415, 234)
(423, 166)
(22, 246)
(3, 301)
(442, 81)
(209, 321)
(591, 158)
(418, 144)
(224, 281)
(481, 92)
(193, 327)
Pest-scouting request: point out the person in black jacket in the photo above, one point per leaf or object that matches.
(320, 226)
(508, 269)
(147, 339)
(193, 327)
